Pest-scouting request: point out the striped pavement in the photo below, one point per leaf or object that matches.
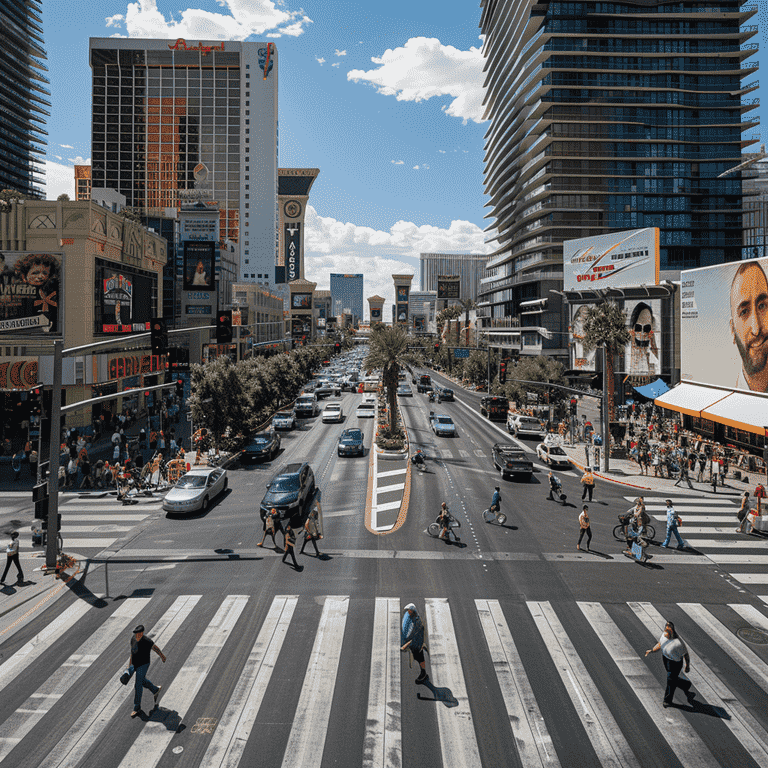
(558, 675)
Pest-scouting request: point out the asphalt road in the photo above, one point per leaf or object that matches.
(536, 650)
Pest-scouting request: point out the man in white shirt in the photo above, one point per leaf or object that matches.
(12, 551)
(673, 653)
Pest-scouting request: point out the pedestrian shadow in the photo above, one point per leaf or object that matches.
(604, 555)
(444, 695)
(323, 556)
(702, 708)
(170, 718)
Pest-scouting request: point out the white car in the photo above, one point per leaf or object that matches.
(553, 455)
(333, 412)
(525, 426)
(195, 490)
(366, 410)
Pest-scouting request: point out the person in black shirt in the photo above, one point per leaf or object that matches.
(139, 660)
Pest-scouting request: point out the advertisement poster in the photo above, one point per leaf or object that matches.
(448, 287)
(376, 314)
(124, 300)
(30, 292)
(724, 325)
(301, 300)
(403, 291)
(614, 260)
(581, 359)
(643, 353)
(292, 251)
(199, 261)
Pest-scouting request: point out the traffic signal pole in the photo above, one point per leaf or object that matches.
(52, 547)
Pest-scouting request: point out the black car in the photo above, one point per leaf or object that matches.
(263, 445)
(351, 443)
(445, 394)
(289, 490)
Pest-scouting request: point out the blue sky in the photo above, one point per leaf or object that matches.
(386, 99)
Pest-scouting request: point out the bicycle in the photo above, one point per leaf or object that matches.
(620, 531)
(421, 462)
(435, 528)
(491, 515)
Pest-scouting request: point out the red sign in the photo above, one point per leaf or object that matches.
(120, 367)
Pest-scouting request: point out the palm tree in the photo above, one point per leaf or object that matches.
(388, 350)
(467, 305)
(606, 325)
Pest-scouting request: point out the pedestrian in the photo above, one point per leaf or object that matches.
(16, 464)
(412, 639)
(311, 532)
(33, 464)
(673, 521)
(744, 515)
(12, 552)
(684, 475)
(290, 543)
(116, 452)
(759, 495)
(713, 480)
(584, 527)
(702, 468)
(588, 481)
(673, 653)
(142, 438)
(85, 468)
(139, 665)
(72, 472)
(271, 525)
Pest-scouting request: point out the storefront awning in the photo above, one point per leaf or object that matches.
(653, 390)
(741, 411)
(690, 399)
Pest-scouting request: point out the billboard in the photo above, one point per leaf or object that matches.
(581, 359)
(124, 298)
(401, 303)
(724, 325)
(616, 260)
(376, 314)
(448, 287)
(199, 261)
(301, 301)
(30, 292)
(292, 251)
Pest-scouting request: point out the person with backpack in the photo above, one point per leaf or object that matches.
(412, 639)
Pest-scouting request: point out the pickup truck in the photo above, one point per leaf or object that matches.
(425, 384)
(511, 460)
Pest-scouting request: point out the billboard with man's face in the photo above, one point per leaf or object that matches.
(30, 292)
(724, 325)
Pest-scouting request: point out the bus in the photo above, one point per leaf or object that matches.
(495, 408)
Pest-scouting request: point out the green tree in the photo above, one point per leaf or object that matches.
(606, 325)
(63, 197)
(388, 350)
(476, 367)
(10, 196)
(541, 368)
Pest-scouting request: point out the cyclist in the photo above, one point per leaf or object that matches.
(496, 501)
(554, 486)
(444, 520)
(419, 458)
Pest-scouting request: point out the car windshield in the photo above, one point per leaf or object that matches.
(367, 406)
(332, 407)
(353, 434)
(444, 420)
(556, 451)
(191, 481)
(285, 484)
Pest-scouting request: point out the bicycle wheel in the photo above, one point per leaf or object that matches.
(433, 530)
(501, 519)
(651, 532)
(618, 533)
(488, 516)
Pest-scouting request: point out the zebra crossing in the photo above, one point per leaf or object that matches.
(541, 676)
(709, 526)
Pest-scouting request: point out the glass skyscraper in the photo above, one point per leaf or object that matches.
(347, 293)
(613, 116)
(23, 97)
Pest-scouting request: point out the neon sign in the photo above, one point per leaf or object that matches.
(181, 45)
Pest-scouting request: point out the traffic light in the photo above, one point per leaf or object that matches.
(35, 409)
(158, 336)
(224, 327)
(502, 371)
(437, 347)
(337, 347)
(180, 388)
(574, 402)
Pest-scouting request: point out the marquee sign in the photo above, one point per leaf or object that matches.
(293, 250)
(120, 367)
(181, 45)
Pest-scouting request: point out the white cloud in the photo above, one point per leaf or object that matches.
(398, 162)
(60, 178)
(340, 53)
(320, 61)
(337, 64)
(66, 146)
(58, 157)
(415, 167)
(243, 19)
(424, 165)
(425, 68)
(335, 246)
(441, 151)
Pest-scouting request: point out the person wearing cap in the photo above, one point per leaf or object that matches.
(139, 661)
(12, 550)
(412, 639)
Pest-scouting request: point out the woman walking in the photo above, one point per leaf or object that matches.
(744, 514)
(290, 544)
(584, 527)
(12, 552)
(311, 532)
(271, 524)
(673, 653)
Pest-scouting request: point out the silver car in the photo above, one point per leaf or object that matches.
(195, 490)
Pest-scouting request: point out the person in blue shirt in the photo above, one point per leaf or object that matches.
(496, 500)
(672, 523)
(412, 639)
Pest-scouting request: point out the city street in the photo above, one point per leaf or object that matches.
(536, 650)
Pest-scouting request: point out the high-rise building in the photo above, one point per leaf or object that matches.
(468, 267)
(177, 121)
(607, 117)
(83, 182)
(23, 97)
(347, 294)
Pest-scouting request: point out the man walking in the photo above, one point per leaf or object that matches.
(412, 639)
(588, 481)
(290, 543)
(12, 551)
(139, 661)
(673, 653)
(684, 477)
(672, 522)
(311, 532)
(584, 528)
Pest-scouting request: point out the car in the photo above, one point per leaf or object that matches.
(445, 395)
(510, 460)
(524, 426)
(351, 443)
(442, 425)
(288, 490)
(333, 412)
(325, 388)
(404, 390)
(553, 455)
(366, 410)
(306, 405)
(284, 420)
(263, 445)
(425, 383)
(196, 489)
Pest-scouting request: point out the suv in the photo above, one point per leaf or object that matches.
(306, 405)
(525, 426)
(289, 490)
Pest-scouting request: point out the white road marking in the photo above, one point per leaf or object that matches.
(387, 488)
(392, 472)
(751, 578)
(729, 559)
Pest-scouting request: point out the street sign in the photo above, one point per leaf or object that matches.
(461, 353)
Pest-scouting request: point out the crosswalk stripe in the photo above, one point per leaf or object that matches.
(307, 738)
(445, 453)
(701, 518)
(734, 543)
(751, 578)
(231, 735)
(695, 530)
(673, 726)
(458, 740)
(463, 454)
(693, 507)
(73, 746)
(392, 472)
(603, 731)
(63, 678)
(731, 559)
(750, 614)
(534, 744)
(42, 642)
(113, 528)
(734, 714)
(156, 736)
(382, 746)
(99, 517)
(480, 453)
(747, 659)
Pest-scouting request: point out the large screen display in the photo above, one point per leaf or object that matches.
(724, 325)
(124, 298)
(199, 262)
(448, 287)
(31, 292)
(301, 300)
(614, 260)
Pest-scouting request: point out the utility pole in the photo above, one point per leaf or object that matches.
(606, 413)
(52, 546)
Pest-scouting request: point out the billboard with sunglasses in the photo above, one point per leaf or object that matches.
(615, 260)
